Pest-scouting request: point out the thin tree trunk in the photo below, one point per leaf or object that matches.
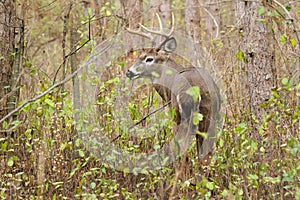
(258, 63)
(163, 8)
(256, 46)
(73, 62)
(100, 26)
(132, 10)
(193, 27)
(165, 11)
(212, 19)
(193, 19)
(7, 41)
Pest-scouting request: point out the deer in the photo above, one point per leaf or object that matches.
(150, 64)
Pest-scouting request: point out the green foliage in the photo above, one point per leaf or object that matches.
(42, 156)
(241, 57)
(261, 10)
(194, 92)
(197, 117)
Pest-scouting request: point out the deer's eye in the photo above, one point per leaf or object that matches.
(149, 59)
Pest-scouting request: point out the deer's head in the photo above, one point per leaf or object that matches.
(149, 62)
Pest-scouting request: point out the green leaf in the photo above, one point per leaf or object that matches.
(33, 71)
(285, 81)
(194, 91)
(4, 146)
(81, 153)
(197, 118)
(261, 20)
(49, 102)
(73, 172)
(10, 162)
(293, 42)
(93, 185)
(241, 56)
(63, 146)
(283, 38)
(221, 142)
(202, 134)
(16, 123)
(78, 142)
(261, 10)
(108, 13)
(270, 14)
(90, 11)
(298, 86)
(295, 117)
(210, 185)
(28, 64)
(108, 64)
(26, 107)
(157, 147)
(5, 125)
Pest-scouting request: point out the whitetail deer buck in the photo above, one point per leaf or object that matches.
(150, 64)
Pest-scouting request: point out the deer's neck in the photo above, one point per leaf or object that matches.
(174, 65)
(169, 80)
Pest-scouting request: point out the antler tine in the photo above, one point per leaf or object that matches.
(139, 32)
(159, 21)
(160, 32)
(173, 25)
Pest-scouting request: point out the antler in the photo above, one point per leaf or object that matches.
(148, 35)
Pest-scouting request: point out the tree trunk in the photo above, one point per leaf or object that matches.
(193, 28)
(163, 8)
(258, 61)
(132, 10)
(73, 63)
(212, 18)
(193, 19)
(7, 35)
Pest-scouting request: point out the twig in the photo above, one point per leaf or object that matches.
(215, 21)
(40, 95)
(141, 120)
(289, 16)
(175, 180)
(144, 118)
(9, 94)
(73, 52)
(285, 10)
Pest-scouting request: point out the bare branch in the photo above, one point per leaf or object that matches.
(51, 88)
(148, 115)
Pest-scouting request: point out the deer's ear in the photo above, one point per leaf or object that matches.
(169, 45)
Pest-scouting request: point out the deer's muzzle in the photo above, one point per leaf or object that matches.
(131, 75)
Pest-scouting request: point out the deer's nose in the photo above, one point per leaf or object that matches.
(130, 74)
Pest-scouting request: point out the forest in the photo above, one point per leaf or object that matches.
(76, 123)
